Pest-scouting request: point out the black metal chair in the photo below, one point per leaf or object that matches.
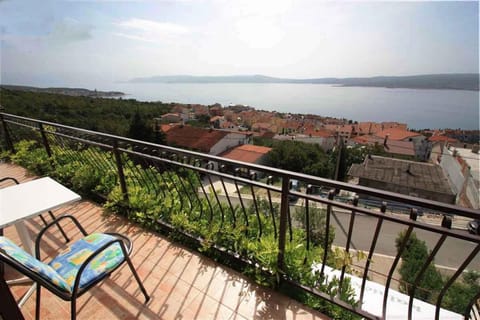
(41, 216)
(73, 272)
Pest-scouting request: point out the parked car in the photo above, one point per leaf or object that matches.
(474, 226)
(295, 186)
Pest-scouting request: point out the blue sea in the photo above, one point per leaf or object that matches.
(419, 108)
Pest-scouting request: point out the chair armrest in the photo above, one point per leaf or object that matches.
(95, 254)
(55, 222)
(126, 241)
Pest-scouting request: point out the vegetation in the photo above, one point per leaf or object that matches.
(107, 115)
(460, 293)
(140, 130)
(300, 157)
(457, 297)
(413, 258)
(310, 158)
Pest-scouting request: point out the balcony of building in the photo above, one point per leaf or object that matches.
(182, 283)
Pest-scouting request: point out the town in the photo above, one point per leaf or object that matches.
(439, 165)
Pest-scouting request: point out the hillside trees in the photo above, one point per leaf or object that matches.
(107, 115)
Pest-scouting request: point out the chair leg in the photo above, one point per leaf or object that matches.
(58, 225)
(73, 309)
(140, 284)
(2, 266)
(37, 301)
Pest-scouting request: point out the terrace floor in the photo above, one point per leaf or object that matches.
(182, 284)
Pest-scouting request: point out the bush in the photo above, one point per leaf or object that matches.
(413, 259)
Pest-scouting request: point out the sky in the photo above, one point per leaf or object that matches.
(87, 42)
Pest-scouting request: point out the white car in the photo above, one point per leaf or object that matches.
(474, 226)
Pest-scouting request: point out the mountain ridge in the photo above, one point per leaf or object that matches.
(452, 81)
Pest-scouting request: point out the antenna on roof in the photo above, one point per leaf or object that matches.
(385, 141)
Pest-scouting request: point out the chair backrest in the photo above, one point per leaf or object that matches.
(8, 181)
(33, 268)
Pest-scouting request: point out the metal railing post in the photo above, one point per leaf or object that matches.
(8, 140)
(283, 226)
(121, 175)
(45, 140)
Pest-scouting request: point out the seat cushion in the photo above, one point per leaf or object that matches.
(18, 254)
(68, 263)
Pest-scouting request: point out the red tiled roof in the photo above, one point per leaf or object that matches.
(373, 127)
(442, 139)
(194, 138)
(362, 139)
(393, 146)
(318, 132)
(166, 127)
(396, 134)
(246, 153)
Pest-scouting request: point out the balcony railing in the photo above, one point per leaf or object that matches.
(227, 207)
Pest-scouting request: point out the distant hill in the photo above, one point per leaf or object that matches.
(66, 91)
(455, 81)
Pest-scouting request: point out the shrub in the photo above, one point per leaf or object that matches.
(413, 259)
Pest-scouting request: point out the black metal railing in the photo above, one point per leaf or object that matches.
(170, 187)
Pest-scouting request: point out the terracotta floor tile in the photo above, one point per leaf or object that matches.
(205, 307)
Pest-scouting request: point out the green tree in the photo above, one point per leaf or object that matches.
(351, 155)
(139, 130)
(299, 157)
(461, 293)
(413, 259)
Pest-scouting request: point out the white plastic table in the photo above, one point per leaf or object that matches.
(27, 200)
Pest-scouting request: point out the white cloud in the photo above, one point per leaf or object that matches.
(150, 31)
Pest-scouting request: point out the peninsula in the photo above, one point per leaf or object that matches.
(67, 91)
(453, 81)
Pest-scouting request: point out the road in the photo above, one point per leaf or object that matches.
(452, 251)
(450, 255)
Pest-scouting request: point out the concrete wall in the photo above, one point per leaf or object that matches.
(229, 141)
(472, 194)
(453, 170)
(325, 143)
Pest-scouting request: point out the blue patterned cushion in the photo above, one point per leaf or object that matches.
(69, 262)
(18, 254)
